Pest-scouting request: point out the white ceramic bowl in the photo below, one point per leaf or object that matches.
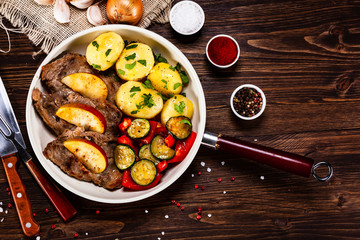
(40, 136)
(230, 64)
(262, 96)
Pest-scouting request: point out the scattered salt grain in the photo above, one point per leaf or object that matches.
(262, 177)
(192, 175)
(86, 234)
(209, 215)
(255, 140)
(1, 203)
(222, 163)
(146, 211)
(6, 211)
(1, 209)
(224, 192)
(202, 164)
(38, 238)
(2, 219)
(208, 169)
(166, 216)
(162, 233)
(159, 238)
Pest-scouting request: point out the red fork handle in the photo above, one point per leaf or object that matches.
(286, 161)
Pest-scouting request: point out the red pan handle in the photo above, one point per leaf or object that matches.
(286, 161)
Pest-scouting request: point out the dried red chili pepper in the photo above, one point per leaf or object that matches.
(127, 182)
(182, 148)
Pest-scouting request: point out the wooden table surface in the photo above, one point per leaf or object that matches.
(305, 56)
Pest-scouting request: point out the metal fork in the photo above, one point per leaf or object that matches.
(24, 155)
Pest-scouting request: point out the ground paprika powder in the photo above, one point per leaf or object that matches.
(222, 50)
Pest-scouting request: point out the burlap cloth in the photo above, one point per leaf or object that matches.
(38, 23)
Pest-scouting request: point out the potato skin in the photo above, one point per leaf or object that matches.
(104, 50)
(165, 79)
(169, 109)
(127, 101)
(138, 71)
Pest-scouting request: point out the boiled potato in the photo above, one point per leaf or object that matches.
(103, 52)
(137, 101)
(135, 62)
(178, 105)
(165, 79)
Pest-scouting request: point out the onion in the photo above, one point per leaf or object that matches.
(124, 11)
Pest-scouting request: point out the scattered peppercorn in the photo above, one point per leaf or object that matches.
(7, 189)
(232, 179)
(76, 235)
(247, 102)
(199, 209)
(10, 205)
(178, 204)
(199, 173)
(97, 212)
(219, 179)
(202, 187)
(198, 217)
(53, 226)
(34, 214)
(196, 186)
(46, 210)
(182, 208)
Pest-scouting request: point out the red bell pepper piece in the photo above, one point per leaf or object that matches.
(123, 126)
(161, 166)
(160, 129)
(127, 182)
(151, 134)
(182, 148)
(170, 141)
(127, 141)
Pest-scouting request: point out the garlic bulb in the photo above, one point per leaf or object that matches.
(61, 11)
(94, 16)
(81, 4)
(45, 2)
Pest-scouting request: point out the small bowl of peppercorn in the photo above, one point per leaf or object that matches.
(248, 102)
(222, 51)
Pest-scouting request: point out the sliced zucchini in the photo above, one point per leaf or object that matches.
(143, 172)
(145, 153)
(159, 149)
(179, 127)
(139, 128)
(124, 156)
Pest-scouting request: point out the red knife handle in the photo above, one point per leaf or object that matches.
(57, 198)
(21, 199)
(289, 162)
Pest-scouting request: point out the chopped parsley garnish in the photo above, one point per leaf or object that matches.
(135, 112)
(179, 108)
(176, 85)
(186, 122)
(121, 72)
(142, 62)
(98, 67)
(147, 102)
(132, 56)
(162, 96)
(130, 66)
(108, 52)
(172, 68)
(147, 84)
(132, 94)
(95, 44)
(184, 77)
(164, 81)
(135, 89)
(178, 67)
(159, 58)
(131, 46)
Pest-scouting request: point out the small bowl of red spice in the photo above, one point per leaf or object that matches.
(223, 51)
(248, 102)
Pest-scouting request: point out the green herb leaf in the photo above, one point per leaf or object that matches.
(135, 89)
(132, 56)
(121, 72)
(108, 52)
(162, 96)
(135, 112)
(179, 108)
(178, 67)
(142, 62)
(148, 100)
(95, 44)
(185, 121)
(184, 94)
(172, 68)
(147, 84)
(176, 85)
(159, 58)
(184, 77)
(98, 67)
(131, 46)
(164, 81)
(132, 94)
(130, 66)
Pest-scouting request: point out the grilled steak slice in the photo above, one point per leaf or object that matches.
(47, 105)
(110, 178)
(70, 63)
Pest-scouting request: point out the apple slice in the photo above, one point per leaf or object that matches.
(86, 84)
(83, 115)
(88, 153)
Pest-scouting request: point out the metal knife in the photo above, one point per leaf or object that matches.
(11, 153)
